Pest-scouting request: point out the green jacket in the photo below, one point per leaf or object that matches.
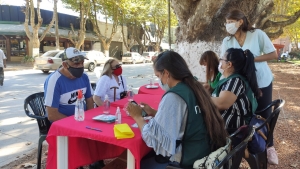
(195, 141)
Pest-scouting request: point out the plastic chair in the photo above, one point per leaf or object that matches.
(259, 160)
(36, 103)
(240, 140)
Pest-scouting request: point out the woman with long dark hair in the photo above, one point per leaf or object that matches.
(186, 119)
(230, 96)
(243, 35)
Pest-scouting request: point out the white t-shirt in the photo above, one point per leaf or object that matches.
(2, 56)
(105, 83)
(258, 43)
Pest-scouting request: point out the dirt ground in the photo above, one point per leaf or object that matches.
(286, 86)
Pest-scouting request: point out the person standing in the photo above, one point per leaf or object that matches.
(2, 66)
(243, 35)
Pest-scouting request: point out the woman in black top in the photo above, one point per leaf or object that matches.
(237, 66)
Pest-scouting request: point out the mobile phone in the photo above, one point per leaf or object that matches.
(144, 114)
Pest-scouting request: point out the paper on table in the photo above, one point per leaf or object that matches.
(123, 131)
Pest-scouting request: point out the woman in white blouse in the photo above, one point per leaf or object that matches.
(109, 81)
(243, 35)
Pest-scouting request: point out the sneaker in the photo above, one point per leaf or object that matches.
(272, 156)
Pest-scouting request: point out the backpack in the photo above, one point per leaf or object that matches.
(249, 93)
(258, 142)
(214, 158)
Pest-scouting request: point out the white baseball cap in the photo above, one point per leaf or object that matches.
(73, 54)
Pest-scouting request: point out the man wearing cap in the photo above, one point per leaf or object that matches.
(61, 86)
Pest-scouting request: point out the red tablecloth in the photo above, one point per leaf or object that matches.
(151, 100)
(87, 146)
(155, 91)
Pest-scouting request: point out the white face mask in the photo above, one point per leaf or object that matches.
(231, 28)
(220, 69)
(165, 87)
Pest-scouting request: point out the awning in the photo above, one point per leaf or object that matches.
(19, 29)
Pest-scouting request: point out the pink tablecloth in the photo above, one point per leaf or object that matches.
(87, 146)
(151, 100)
(155, 91)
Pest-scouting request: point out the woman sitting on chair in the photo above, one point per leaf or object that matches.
(187, 126)
(230, 96)
(111, 83)
(211, 61)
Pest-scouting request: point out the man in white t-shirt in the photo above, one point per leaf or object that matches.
(2, 65)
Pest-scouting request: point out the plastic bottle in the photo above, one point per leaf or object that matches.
(79, 107)
(130, 94)
(106, 105)
(118, 116)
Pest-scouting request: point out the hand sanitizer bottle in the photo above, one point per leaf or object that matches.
(79, 107)
(118, 116)
(106, 105)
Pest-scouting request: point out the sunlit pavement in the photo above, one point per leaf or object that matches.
(19, 133)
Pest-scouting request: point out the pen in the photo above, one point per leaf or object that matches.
(93, 128)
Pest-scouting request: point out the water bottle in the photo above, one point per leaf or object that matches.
(130, 94)
(118, 116)
(79, 107)
(106, 105)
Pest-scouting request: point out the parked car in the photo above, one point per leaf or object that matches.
(50, 60)
(148, 55)
(95, 58)
(133, 57)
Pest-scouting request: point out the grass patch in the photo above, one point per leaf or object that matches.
(295, 61)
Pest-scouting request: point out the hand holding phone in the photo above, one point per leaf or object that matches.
(144, 114)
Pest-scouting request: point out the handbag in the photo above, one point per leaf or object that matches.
(258, 142)
(214, 158)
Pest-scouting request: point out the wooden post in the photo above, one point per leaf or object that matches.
(115, 88)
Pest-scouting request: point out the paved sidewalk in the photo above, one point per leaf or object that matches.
(13, 66)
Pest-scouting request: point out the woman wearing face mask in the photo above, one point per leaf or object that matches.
(186, 116)
(243, 35)
(211, 61)
(230, 97)
(110, 77)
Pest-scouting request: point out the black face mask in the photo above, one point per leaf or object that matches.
(76, 72)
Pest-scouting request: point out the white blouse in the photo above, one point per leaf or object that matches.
(258, 43)
(105, 83)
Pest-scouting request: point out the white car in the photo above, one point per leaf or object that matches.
(148, 56)
(133, 57)
(95, 58)
(50, 60)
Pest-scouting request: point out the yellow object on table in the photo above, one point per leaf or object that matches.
(123, 131)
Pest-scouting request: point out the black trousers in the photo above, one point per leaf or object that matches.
(263, 102)
(1, 75)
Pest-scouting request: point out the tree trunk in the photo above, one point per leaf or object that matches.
(201, 25)
(56, 25)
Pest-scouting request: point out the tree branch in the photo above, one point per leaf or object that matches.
(290, 21)
(50, 24)
(26, 26)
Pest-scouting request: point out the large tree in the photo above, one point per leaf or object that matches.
(201, 25)
(33, 33)
(110, 9)
(77, 37)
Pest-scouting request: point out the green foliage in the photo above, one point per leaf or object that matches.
(27, 59)
(295, 54)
